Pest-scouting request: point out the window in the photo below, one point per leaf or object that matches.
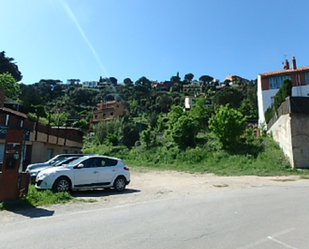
(91, 163)
(276, 82)
(112, 113)
(307, 78)
(104, 115)
(49, 153)
(108, 162)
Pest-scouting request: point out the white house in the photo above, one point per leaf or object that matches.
(90, 84)
(270, 83)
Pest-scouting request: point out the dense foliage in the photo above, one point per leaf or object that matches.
(227, 124)
(9, 85)
(7, 65)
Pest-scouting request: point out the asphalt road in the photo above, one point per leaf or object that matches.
(260, 217)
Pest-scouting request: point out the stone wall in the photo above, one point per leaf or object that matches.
(290, 129)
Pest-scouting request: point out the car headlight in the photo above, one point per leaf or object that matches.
(43, 175)
(34, 174)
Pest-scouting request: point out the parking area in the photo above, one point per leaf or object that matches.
(149, 184)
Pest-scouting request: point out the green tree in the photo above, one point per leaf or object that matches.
(189, 77)
(249, 93)
(113, 81)
(184, 132)
(284, 91)
(228, 95)
(164, 102)
(128, 82)
(9, 85)
(247, 109)
(58, 119)
(148, 137)
(7, 65)
(175, 113)
(29, 96)
(130, 133)
(112, 139)
(143, 81)
(227, 124)
(176, 79)
(206, 79)
(50, 89)
(83, 95)
(201, 113)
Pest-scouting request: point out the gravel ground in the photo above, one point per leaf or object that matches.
(149, 185)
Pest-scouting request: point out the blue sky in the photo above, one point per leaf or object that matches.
(65, 39)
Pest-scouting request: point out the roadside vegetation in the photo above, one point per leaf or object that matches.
(36, 198)
(210, 158)
(158, 134)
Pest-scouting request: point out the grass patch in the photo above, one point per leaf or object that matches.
(268, 161)
(36, 198)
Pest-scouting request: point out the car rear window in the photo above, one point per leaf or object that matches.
(109, 162)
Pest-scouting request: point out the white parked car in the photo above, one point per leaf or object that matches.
(86, 172)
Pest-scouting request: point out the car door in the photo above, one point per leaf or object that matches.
(88, 175)
(107, 171)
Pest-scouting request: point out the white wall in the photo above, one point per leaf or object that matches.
(281, 132)
(264, 97)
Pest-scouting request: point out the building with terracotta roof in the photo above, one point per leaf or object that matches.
(42, 142)
(235, 78)
(269, 84)
(107, 111)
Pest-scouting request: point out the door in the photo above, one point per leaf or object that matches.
(108, 171)
(88, 175)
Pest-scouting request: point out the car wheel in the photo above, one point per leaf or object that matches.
(62, 184)
(120, 184)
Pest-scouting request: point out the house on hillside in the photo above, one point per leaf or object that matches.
(165, 85)
(269, 84)
(195, 86)
(90, 84)
(235, 78)
(107, 111)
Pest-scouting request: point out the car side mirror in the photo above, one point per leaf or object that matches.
(79, 166)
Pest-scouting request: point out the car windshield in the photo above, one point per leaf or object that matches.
(75, 162)
(64, 161)
(56, 160)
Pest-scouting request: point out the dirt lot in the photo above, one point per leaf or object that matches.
(149, 185)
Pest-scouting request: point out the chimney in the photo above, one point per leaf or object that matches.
(286, 65)
(294, 63)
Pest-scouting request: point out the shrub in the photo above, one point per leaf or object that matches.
(227, 124)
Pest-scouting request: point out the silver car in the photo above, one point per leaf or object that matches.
(51, 161)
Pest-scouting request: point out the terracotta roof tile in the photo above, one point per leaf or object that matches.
(17, 113)
(285, 71)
